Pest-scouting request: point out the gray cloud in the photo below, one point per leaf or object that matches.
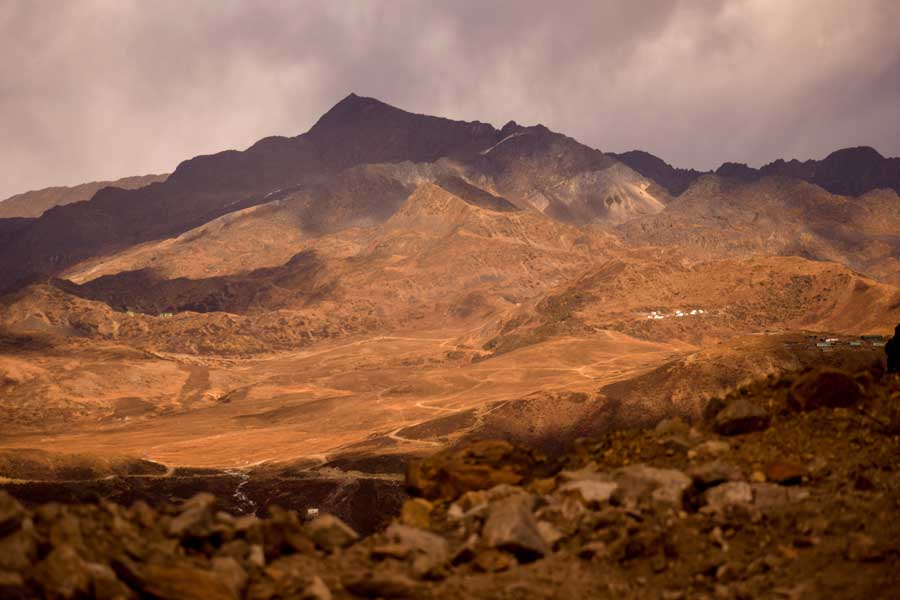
(102, 89)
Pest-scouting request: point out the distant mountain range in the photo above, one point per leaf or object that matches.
(360, 161)
(35, 203)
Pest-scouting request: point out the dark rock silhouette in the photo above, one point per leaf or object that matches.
(848, 171)
(892, 349)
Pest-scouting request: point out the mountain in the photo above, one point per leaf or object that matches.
(721, 217)
(669, 298)
(207, 187)
(554, 174)
(35, 203)
(530, 167)
(442, 255)
(848, 172)
(673, 179)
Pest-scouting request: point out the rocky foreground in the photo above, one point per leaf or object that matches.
(790, 488)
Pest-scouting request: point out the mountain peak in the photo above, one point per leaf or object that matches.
(351, 107)
(510, 128)
(856, 154)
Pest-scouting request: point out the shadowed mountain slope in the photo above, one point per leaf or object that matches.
(34, 203)
(201, 189)
(848, 172)
(673, 179)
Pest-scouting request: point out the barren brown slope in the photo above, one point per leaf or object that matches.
(439, 256)
(34, 203)
(719, 217)
(438, 250)
(706, 302)
(269, 234)
(554, 174)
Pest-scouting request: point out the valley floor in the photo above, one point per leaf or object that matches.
(316, 402)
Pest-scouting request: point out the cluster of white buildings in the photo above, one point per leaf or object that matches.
(655, 314)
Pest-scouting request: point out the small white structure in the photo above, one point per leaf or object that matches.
(312, 513)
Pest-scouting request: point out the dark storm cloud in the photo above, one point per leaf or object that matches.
(92, 90)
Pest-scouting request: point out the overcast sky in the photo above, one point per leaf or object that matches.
(102, 89)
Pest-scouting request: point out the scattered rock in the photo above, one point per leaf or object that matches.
(748, 539)
(733, 493)
(430, 551)
(256, 556)
(672, 426)
(593, 549)
(510, 526)
(396, 551)
(330, 533)
(381, 584)
(549, 533)
(591, 492)
(785, 472)
(316, 590)
(665, 486)
(767, 495)
(283, 532)
(195, 516)
(12, 586)
(709, 448)
(11, 513)
(741, 416)
(713, 473)
(543, 486)
(477, 466)
(862, 548)
(416, 512)
(231, 573)
(174, 581)
(63, 574)
(18, 549)
(492, 560)
(825, 387)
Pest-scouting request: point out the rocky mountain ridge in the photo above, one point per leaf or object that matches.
(348, 169)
